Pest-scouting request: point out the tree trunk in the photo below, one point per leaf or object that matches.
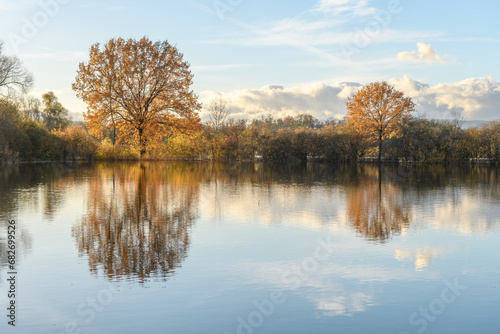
(380, 149)
(114, 130)
(142, 144)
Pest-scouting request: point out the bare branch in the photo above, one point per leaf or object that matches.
(219, 113)
(13, 76)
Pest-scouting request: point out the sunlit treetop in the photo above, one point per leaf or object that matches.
(378, 110)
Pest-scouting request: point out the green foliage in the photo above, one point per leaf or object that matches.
(42, 145)
(490, 141)
(10, 120)
(55, 115)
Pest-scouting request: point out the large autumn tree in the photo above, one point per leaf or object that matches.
(378, 110)
(138, 89)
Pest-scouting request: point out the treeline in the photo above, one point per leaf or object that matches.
(164, 123)
(304, 137)
(44, 132)
(34, 130)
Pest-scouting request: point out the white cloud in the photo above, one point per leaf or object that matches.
(425, 53)
(476, 98)
(325, 30)
(352, 7)
(299, 33)
(319, 100)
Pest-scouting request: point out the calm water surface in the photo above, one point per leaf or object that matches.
(252, 248)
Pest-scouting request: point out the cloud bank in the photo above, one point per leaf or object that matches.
(475, 98)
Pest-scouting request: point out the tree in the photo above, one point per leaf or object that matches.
(141, 87)
(378, 111)
(13, 75)
(55, 115)
(218, 113)
(10, 136)
(29, 106)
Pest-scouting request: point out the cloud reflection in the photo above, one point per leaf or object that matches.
(422, 257)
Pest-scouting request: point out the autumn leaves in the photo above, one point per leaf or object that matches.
(138, 94)
(139, 90)
(378, 111)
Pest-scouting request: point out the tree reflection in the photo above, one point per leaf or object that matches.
(138, 220)
(375, 207)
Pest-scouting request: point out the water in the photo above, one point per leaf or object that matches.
(251, 248)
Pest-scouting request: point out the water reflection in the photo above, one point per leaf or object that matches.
(257, 227)
(19, 192)
(375, 208)
(30, 185)
(378, 203)
(422, 257)
(23, 245)
(138, 220)
(138, 216)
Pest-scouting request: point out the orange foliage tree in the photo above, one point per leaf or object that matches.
(139, 90)
(378, 111)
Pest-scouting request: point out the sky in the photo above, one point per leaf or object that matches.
(279, 57)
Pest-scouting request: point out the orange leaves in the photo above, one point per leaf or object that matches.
(378, 111)
(140, 88)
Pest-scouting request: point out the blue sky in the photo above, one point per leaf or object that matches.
(279, 57)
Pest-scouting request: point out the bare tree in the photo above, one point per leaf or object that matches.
(29, 105)
(457, 118)
(13, 76)
(219, 112)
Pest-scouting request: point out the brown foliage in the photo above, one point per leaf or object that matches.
(378, 111)
(138, 88)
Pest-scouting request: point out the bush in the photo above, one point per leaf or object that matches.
(43, 145)
(108, 151)
(76, 143)
(186, 146)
